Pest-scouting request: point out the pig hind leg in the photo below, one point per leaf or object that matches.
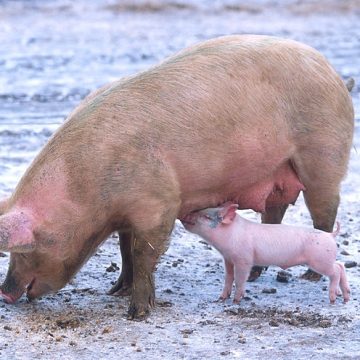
(344, 285)
(333, 271)
(334, 275)
(123, 285)
(272, 215)
(321, 176)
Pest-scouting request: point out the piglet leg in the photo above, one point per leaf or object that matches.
(334, 277)
(344, 285)
(242, 272)
(229, 280)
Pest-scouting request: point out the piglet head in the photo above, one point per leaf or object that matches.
(202, 221)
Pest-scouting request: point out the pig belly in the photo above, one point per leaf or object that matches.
(281, 188)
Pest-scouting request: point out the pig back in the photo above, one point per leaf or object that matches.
(225, 113)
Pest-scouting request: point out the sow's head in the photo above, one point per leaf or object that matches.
(33, 268)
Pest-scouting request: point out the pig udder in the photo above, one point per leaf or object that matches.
(282, 188)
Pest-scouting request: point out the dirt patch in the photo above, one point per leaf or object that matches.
(274, 317)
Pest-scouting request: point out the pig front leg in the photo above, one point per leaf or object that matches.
(149, 246)
(242, 271)
(229, 280)
(123, 285)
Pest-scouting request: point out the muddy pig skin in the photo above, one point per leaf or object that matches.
(248, 119)
(244, 243)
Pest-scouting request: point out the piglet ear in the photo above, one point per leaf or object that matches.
(228, 213)
(16, 232)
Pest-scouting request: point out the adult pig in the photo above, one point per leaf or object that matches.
(251, 119)
(244, 243)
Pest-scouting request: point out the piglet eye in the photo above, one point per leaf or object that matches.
(207, 217)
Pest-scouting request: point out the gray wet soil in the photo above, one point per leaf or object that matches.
(52, 54)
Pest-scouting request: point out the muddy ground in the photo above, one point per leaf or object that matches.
(53, 53)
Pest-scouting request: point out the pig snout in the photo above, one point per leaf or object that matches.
(189, 221)
(14, 286)
(9, 298)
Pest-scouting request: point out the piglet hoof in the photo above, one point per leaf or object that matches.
(311, 275)
(222, 298)
(255, 273)
(236, 301)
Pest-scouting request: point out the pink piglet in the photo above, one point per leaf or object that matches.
(244, 243)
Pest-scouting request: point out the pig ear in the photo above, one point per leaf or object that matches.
(228, 213)
(16, 233)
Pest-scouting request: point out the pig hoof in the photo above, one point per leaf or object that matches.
(255, 273)
(121, 288)
(311, 275)
(140, 309)
(137, 313)
(123, 291)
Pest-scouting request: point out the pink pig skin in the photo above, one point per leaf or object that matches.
(244, 243)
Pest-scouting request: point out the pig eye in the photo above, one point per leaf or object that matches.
(207, 217)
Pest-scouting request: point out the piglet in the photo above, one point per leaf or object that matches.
(244, 243)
